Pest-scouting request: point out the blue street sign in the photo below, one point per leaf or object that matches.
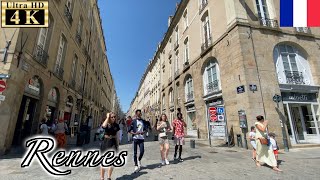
(220, 110)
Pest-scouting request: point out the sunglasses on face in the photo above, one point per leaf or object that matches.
(113, 117)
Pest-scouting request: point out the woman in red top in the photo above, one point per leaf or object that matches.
(178, 131)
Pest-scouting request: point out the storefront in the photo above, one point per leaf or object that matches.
(28, 117)
(302, 111)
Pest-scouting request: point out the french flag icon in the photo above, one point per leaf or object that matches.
(299, 13)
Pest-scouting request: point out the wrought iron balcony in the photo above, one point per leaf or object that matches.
(206, 44)
(213, 87)
(41, 56)
(203, 4)
(269, 22)
(58, 71)
(189, 96)
(304, 30)
(294, 77)
(68, 14)
(78, 37)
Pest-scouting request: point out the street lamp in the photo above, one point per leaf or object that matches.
(277, 98)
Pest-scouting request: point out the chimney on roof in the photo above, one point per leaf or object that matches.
(169, 20)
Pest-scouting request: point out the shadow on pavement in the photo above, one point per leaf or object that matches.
(132, 176)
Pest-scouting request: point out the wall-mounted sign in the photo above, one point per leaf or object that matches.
(253, 87)
(299, 97)
(33, 86)
(240, 89)
(5, 76)
(3, 86)
(218, 131)
(2, 97)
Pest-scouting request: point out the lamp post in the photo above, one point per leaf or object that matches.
(277, 98)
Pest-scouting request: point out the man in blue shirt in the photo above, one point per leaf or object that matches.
(137, 129)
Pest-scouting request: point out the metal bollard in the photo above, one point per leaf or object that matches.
(192, 143)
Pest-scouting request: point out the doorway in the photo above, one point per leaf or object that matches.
(191, 124)
(25, 120)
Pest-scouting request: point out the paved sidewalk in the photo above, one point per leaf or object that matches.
(202, 162)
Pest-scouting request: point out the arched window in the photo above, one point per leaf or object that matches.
(291, 65)
(189, 89)
(211, 77)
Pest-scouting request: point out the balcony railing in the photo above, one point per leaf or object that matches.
(213, 87)
(203, 4)
(68, 14)
(41, 56)
(294, 77)
(78, 37)
(207, 43)
(305, 30)
(269, 22)
(58, 71)
(189, 96)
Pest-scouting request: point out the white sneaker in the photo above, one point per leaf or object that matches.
(136, 169)
(162, 162)
(139, 164)
(167, 162)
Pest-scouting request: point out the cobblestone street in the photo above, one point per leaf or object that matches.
(202, 162)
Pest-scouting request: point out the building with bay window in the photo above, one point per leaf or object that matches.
(59, 72)
(221, 60)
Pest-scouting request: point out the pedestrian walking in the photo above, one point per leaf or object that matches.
(121, 125)
(252, 136)
(178, 131)
(264, 154)
(274, 146)
(60, 133)
(163, 127)
(138, 129)
(44, 129)
(110, 141)
(128, 123)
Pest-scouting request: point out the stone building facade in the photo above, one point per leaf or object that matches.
(224, 61)
(56, 72)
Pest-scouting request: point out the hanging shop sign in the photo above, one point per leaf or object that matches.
(299, 97)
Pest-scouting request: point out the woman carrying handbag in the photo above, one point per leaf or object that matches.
(264, 154)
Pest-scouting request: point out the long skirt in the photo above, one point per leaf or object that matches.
(265, 155)
(61, 139)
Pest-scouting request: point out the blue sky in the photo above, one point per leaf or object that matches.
(133, 28)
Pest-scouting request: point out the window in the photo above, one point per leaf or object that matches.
(171, 97)
(42, 37)
(185, 19)
(176, 36)
(80, 25)
(262, 9)
(211, 78)
(69, 5)
(74, 67)
(81, 76)
(61, 52)
(292, 66)
(206, 29)
(186, 50)
(189, 89)
(176, 63)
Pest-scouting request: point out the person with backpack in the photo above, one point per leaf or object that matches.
(137, 129)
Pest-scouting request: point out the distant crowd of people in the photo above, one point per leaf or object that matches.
(57, 129)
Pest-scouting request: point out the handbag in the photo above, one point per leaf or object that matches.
(264, 141)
